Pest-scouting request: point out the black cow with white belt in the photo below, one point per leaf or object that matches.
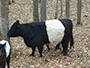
(36, 34)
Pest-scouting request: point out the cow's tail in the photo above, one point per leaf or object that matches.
(71, 41)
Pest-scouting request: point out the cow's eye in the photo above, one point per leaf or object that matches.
(12, 29)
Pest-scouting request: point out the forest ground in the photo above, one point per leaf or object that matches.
(78, 57)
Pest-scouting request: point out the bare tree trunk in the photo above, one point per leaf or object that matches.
(0, 21)
(79, 5)
(35, 11)
(4, 18)
(56, 10)
(39, 1)
(61, 9)
(67, 9)
(43, 10)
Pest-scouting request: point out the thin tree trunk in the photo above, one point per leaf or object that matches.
(43, 10)
(0, 21)
(79, 5)
(67, 9)
(56, 10)
(35, 11)
(4, 18)
(61, 9)
(39, 1)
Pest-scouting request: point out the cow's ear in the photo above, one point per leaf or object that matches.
(17, 22)
(4, 45)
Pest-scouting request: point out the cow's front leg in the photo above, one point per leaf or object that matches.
(33, 51)
(8, 61)
(48, 47)
(3, 65)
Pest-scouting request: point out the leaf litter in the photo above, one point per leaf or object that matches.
(78, 57)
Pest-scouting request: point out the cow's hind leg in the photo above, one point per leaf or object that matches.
(48, 47)
(40, 48)
(65, 46)
(57, 46)
(71, 41)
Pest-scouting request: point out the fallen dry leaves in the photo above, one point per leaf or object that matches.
(78, 57)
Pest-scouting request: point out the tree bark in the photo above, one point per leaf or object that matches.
(0, 21)
(79, 6)
(43, 10)
(56, 10)
(35, 11)
(61, 9)
(4, 18)
(67, 9)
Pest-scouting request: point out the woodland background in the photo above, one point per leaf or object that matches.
(78, 57)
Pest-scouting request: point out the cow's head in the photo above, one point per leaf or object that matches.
(14, 31)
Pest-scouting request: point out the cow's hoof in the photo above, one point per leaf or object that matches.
(31, 55)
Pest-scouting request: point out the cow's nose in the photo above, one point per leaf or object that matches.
(8, 35)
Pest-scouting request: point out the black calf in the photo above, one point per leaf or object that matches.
(3, 58)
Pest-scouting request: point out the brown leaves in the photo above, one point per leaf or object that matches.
(78, 57)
